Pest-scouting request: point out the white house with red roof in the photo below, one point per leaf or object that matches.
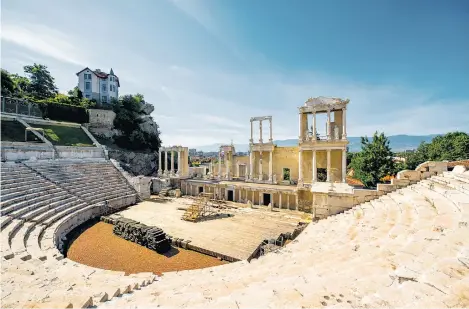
(98, 85)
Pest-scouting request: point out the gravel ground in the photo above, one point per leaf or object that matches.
(97, 246)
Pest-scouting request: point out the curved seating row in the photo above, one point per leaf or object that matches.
(41, 202)
(409, 248)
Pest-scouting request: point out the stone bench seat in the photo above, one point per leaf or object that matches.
(16, 180)
(34, 200)
(64, 176)
(86, 180)
(42, 213)
(15, 195)
(6, 234)
(18, 241)
(20, 209)
(93, 184)
(5, 220)
(21, 183)
(453, 183)
(103, 191)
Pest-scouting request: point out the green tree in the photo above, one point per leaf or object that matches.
(22, 85)
(452, 146)
(374, 161)
(128, 121)
(42, 84)
(8, 85)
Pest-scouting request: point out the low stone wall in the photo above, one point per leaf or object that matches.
(73, 152)
(19, 151)
(423, 171)
(121, 202)
(74, 220)
(150, 237)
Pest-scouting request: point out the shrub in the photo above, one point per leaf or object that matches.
(64, 112)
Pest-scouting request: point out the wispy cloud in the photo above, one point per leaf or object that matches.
(43, 40)
(204, 104)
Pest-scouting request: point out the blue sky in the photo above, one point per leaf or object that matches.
(208, 66)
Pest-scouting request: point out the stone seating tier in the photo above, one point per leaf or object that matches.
(36, 215)
(408, 248)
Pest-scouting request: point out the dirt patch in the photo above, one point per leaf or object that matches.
(97, 246)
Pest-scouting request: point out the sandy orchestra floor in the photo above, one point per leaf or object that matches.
(97, 246)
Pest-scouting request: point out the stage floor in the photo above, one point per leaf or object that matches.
(236, 236)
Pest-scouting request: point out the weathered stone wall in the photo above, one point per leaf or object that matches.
(73, 152)
(19, 151)
(136, 163)
(100, 118)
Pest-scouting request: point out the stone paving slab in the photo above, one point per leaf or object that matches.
(236, 236)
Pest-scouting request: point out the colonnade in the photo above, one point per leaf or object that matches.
(180, 163)
(285, 199)
(329, 132)
(328, 164)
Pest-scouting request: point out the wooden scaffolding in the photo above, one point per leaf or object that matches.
(204, 205)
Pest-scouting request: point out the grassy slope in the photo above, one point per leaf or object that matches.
(13, 131)
(65, 136)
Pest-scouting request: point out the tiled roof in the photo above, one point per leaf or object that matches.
(460, 162)
(354, 182)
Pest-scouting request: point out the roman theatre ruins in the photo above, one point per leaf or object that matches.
(292, 229)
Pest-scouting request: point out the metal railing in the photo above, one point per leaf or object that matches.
(20, 107)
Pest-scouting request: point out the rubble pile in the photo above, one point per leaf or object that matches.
(151, 237)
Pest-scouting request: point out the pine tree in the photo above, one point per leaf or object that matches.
(374, 161)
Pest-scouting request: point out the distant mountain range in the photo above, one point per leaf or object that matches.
(398, 143)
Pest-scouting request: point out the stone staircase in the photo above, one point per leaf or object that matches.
(408, 248)
(40, 203)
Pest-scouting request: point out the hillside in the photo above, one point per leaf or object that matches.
(398, 143)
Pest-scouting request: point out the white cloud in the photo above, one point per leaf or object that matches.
(43, 40)
(204, 105)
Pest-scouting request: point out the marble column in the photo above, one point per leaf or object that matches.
(300, 167)
(328, 165)
(328, 124)
(252, 139)
(280, 200)
(219, 164)
(288, 200)
(227, 165)
(260, 131)
(237, 170)
(178, 173)
(300, 130)
(344, 125)
(166, 162)
(159, 163)
(172, 162)
(270, 166)
(251, 166)
(260, 198)
(314, 127)
(260, 166)
(297, 201)
(315, 170)
(344, 165)
(270, 138)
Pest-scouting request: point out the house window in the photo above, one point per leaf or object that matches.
(87, 96)
(104, 87)
(286, 174)
(87, 76)
(104, 99)
(87, 86)
(112, 79)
